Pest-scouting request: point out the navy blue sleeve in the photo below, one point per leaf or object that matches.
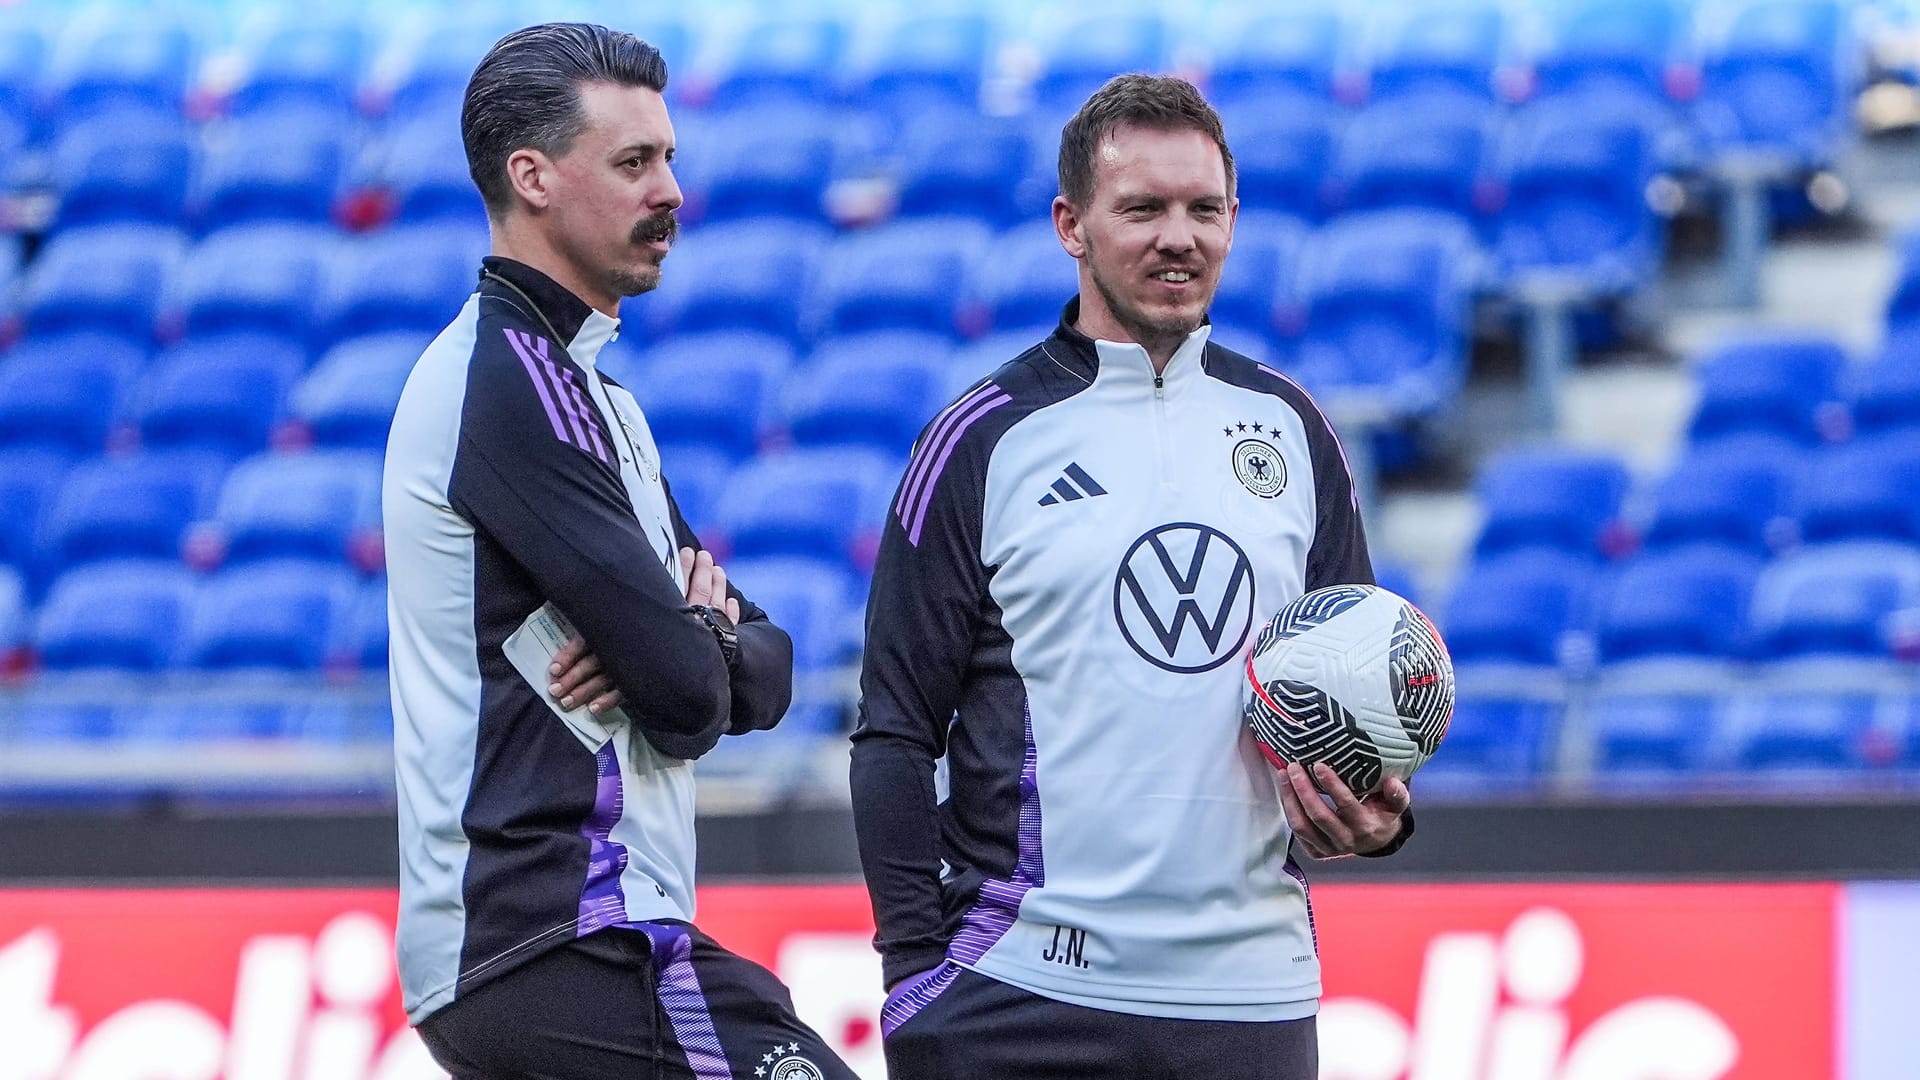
(537, 477)
(1339, 552)
(923, 615)
(761, 675)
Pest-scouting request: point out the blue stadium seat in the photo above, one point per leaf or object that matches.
(1023, 278)
(1775, 81)
(1272, 56)
(1797, 732)
(115, 615)
(1519, 609)
(319, 505)
(1834, 599)
(1283, 153)
(1778, 383)
(1560, 499)
(175, 725)
(875, 389)
(108, 278)
(136, 507)
(936, 58)
(425, 172)
(1691, 602)
(806, 597)
(1383, 307)
(1576, 202)
(1085, 52)
(955, 161)
(753, 274)
(63, 392)
(1492, 738)
(1610, 47)
(130, 165)
(1649, 731)
(364, 630)
(224, 394)
(1435, 49)
(29, 482)
(983, 356)
(304, 58)
(411, 277)
(284, 165)
(23, 56)
(1903, 304)
(820, 503)
(1418, 151)
(902, 276)
(1885, 396)
(1735, 491)
(781, 59)
(282, 614)
(696, 477)
(1865, 490)
(259, 278)
(714, 390)
(1266, 255)
(433, 56)
(349, 397)
(110, 58)
(776, 160)
(13, 613)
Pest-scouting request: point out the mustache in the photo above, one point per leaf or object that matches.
(663, 225)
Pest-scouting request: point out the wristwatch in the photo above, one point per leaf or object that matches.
(722, 627)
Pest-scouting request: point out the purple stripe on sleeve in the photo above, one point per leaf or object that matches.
(587, 412)
(686, 1004)
(602, 903)
(1299, 875)
(906, 1002)
(998, 906)
(1332, 434)
(928, 448)
(940, 464)
(539, 386)
(574, 419)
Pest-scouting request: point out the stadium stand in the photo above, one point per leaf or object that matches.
(229, 237)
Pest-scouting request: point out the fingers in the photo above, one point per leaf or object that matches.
(718, 592)
(1304, 829)
(700, 580)
(1396, 796)
(1344, 804)
(686, 566)
(733, 611)
(1338, 834)
(609, 700)
(570, 687)
(564, 659)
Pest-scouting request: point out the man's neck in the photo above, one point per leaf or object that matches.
(511, 240)
(1098, 323)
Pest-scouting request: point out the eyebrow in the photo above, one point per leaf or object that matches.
(645, 150)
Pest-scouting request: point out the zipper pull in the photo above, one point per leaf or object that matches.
(1160, 387)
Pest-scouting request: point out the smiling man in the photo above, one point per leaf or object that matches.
(546, 827)
(1080, 549)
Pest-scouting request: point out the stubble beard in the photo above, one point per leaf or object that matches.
(1162, 334)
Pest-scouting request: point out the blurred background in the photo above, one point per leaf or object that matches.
(1616, 304)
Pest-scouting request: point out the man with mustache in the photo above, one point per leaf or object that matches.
(1081, 550)
(562, 646)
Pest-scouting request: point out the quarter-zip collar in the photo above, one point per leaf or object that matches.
(584, 329)
(1125, 362)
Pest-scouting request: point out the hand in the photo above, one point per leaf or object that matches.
(577, 678)
(1349, 826)
(707, 583)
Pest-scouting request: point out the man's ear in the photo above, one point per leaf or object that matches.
(530, 174)
(1066, 225)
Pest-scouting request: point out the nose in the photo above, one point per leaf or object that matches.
(667, 196)
(1176, 235)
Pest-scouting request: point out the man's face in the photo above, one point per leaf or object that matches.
(1157, 228)
(613, 192)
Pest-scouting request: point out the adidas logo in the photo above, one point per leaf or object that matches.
(1072, 486)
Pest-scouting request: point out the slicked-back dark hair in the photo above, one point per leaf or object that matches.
(1157, 102)
(526, 94)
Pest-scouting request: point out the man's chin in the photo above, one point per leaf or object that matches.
(636, 283)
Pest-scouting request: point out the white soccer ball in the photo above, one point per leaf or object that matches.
(1354, 676)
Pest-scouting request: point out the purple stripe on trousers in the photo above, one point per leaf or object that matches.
(940, 464)
(906, 1002)
(685, 1004)
(602, 903)
(929, 446)
(587, 412)
(998, 905)
(1299, 875)
(539, 386)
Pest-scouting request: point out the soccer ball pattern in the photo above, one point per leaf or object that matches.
(1353, 676)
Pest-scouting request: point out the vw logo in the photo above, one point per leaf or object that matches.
(1184, 597)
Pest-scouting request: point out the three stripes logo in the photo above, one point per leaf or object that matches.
(1073, 485)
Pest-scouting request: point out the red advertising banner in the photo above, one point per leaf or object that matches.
(1507, 982)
